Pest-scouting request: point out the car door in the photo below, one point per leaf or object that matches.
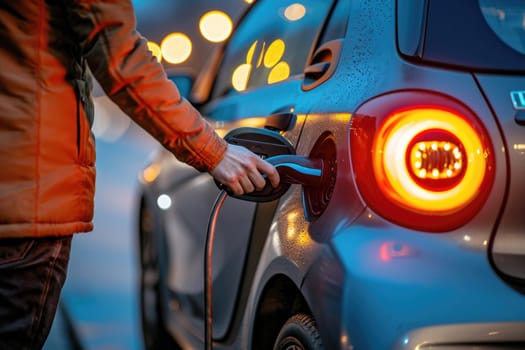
(260, 75)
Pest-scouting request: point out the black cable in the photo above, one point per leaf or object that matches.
(208, 276)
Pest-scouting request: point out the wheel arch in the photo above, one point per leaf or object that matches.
(152, 261)
(279, 300)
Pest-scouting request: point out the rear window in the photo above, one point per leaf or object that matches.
(507, 21)
(479, 35)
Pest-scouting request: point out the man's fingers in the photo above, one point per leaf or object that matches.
(270, 171)
(235, 188)
(246, 184)
(257, 179)
(242, 171)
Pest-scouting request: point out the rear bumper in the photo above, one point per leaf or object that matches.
(488, 336)
(412, 290)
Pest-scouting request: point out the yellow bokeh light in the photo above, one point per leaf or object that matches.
(240, 77)
(215, 26)
(261, 54)
(274, 53)
(155, 50)
(295, 12)
(249, 1)
(151, 173)
(251, 51)
(176, 48)
(278, 73)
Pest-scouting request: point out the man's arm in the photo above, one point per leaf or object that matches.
(120, 60)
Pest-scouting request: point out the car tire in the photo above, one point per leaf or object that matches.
(154, 333)
(299, 333)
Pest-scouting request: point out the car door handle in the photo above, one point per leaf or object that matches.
(322, 65)
(316, 70)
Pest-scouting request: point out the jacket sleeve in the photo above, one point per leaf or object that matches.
(119, 59)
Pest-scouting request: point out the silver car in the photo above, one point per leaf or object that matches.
(410, 114)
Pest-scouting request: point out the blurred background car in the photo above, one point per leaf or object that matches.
(413, 113)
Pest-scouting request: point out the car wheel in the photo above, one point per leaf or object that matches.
(299, 333)
(154, 333)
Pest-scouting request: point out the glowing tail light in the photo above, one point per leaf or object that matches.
(435, 160)
(422, 161)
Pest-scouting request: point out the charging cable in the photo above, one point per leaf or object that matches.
(208, 273)
(292, 170)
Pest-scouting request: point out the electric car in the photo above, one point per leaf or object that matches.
(400, 220)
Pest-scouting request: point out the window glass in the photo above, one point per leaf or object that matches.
(271, 44)
(336, 27)
(479, 35)
(507, 20)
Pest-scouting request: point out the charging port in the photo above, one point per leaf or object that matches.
(316, 198)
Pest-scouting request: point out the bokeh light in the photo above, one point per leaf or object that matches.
(150, 173)
(294, 12)
(164, 202)
(280, 72)
(240, 76)
(270, 58)
(251, 51)
(176, 48)
(274, 53)
(155, 50)
(215, 26)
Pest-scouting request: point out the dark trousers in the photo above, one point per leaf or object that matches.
(32, 273)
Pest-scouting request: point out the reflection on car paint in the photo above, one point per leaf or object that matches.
(518, 99)
(393, 250)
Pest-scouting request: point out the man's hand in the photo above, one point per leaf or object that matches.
(241, 171)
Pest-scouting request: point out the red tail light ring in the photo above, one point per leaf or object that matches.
(421, 160)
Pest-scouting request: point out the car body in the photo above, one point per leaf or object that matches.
(416, 237)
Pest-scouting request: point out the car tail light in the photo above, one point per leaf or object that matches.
(421, 160)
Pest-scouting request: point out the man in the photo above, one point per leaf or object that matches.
(47, 153)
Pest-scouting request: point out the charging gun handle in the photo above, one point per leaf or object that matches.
(300, 170)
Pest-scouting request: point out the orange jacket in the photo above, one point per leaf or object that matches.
(47, 152)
